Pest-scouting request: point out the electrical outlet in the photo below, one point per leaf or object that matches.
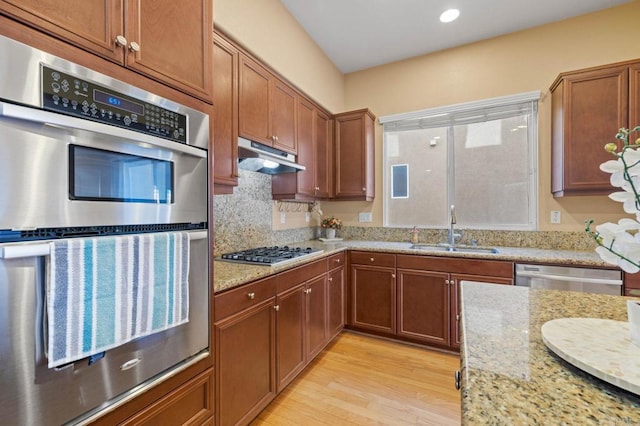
(283, 217)
(307, 217)
(365, 217)
(555, 217)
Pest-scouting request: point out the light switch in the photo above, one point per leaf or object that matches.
(555, 217)
(283, 217)
(365, 217)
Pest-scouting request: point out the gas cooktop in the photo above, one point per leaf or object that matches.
(275, 255)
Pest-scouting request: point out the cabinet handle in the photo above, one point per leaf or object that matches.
(134, 47)
(276, 307)
(308, 291)
(121, 41)
(458, 317)
(251, 296)
(457, 379)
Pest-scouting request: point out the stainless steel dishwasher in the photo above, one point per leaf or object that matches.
(590, 280)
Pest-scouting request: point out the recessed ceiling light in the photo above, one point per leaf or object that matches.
(449, 15)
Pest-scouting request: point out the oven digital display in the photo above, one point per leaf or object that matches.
(116, 101)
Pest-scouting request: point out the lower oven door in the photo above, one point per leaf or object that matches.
(33, 394)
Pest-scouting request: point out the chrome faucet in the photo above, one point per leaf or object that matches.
(452, 234)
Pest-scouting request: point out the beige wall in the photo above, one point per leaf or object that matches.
(515, 63)
(268, 30)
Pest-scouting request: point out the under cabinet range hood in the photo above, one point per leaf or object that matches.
(265, 159)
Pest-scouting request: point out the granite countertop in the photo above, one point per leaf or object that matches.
(227, 275)
(509, 376)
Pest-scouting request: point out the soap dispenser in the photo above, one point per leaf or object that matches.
(414, 235)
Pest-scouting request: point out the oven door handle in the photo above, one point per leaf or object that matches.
(20, 251)
(65, 121)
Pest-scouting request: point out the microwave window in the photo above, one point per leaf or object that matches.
(100, 175)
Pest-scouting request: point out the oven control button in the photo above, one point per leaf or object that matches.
(134, 118)
(65, 85)
(55, 75)
(55, 87)
(127, 120)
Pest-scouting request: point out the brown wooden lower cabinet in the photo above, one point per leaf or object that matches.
(290, 334)
(415, 297)
(245, 363)
(335, 299)
(316, 316)
(190, 404)
(424, 306)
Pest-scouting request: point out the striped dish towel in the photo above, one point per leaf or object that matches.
(106, 291)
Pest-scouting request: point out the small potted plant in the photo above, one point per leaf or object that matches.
(330, 224)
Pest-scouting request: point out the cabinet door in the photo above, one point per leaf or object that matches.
(324, 153)
(373, 295)
(316, 293)
(634, 95)
(306, 148)
(245, 363)
(588, 108)
(282, 115)
(91, 25)
(225, 117)
(253, 108)
(290, 334)
(354, 142)
(336, 302)
(174, 42)
(455, 300)
(423, 306)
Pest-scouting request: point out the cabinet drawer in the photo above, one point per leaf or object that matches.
(293, 277)
(191, 403)
(240, 298)
(335, 261)
(373, 258)
(493, 268)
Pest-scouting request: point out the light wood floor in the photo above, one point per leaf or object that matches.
(362, 380)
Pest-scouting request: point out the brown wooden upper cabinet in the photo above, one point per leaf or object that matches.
(314, 137)
(267, 107)
(354, 156)
(166, 40)
(588, 108)
(225, 116)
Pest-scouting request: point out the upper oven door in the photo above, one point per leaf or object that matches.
(61, 171)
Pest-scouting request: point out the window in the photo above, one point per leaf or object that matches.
(479, 156)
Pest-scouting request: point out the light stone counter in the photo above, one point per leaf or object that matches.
(227, 275)
(509, 376)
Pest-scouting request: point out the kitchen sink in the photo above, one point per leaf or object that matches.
(458, 249)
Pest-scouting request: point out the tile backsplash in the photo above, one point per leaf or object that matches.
(244, 220)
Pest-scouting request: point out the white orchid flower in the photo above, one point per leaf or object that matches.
(628, 200)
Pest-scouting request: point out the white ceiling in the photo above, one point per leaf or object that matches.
(359, 34)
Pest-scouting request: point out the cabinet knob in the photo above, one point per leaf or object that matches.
(276, 307)
(134, 47)
(308, 291)
(336, 260)
(330, 279)
(364, 189)
(251, 296)
(372, 259)
(458, 317)
(121, 41)
(393, 275)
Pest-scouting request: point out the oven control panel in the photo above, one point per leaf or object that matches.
(71, 95)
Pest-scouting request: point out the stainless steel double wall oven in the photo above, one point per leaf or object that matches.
(85, 155)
